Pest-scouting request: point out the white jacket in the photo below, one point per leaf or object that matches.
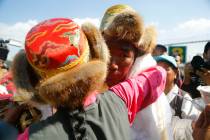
(188, 107)
(182, 129)
(154, 121)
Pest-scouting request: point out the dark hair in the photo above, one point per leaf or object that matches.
(3, 49)
(75, 120)
(161, 47)
(207, 47)
(3, 53)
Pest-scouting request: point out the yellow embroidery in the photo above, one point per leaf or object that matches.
(111, 13)
(46, 73)
(68, 26)
(34, 37)
(117, 9)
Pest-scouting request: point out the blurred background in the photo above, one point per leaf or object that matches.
(183, 24)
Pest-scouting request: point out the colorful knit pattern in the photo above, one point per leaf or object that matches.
(7, 82)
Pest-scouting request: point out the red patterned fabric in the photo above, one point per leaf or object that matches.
(7, 82)
(54, 44)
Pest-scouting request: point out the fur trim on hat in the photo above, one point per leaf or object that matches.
(25, 79)
(69, 89)
(98, 47)
(147, 42)
(127, 26)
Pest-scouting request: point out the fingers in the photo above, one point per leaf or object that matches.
(204, 118)
(200, 121)
(206, 122)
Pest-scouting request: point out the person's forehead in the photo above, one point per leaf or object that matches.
(124, 46)
(177, 57)
(165, 63)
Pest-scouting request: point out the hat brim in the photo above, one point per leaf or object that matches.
(162, 59)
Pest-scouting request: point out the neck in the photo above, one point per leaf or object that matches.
(168, 88)
(142, 63)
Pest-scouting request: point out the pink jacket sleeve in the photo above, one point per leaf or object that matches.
(24, 135)
(142, 90)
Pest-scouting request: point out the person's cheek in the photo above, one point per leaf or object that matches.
(127, 66)
(168, 78)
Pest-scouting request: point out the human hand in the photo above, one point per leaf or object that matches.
(202, 126)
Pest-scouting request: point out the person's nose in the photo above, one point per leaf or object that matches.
(113, 64)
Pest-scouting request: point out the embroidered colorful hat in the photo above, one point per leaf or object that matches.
(58, 55)
(56, 45)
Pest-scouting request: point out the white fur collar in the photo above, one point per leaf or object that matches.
(142, 63)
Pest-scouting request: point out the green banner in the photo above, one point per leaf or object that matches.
(178, 50)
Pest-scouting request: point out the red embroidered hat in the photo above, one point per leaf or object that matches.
(56, 45)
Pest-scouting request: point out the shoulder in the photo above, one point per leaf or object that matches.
(154, 72)
(110, 98)
(156, 76)
(43, 128)
(184, 94)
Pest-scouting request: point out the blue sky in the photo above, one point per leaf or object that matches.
(166, 12)
(175, 20)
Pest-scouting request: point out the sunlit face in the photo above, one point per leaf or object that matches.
(171, 74)
(122, 59)
(178, 59)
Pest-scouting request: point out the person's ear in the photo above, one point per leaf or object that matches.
(176, 71)
(175, 77)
